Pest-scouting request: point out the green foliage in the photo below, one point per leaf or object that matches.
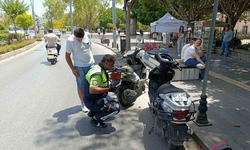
(107, 17)
(24, 20)
(13, 8)
(54, 10)
(109, 26)
(87, 12)
(123, 26)
(5, 37)
(147, 11)
(244, 47)
(49, 25)
(7, 20)
(14, 46)
(66, 20)
(2, 26)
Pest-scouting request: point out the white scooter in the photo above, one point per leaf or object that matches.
(52, 55)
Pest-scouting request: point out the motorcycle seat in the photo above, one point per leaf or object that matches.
(169, 88)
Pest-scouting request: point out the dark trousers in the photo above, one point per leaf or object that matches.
(58, 47)
(192, 62)
(97, 106)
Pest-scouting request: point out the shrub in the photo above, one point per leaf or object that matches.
(15, 45)
(244, 47)
(122, 26)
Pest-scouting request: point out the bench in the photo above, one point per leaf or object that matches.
(105, 41)
(187, 73)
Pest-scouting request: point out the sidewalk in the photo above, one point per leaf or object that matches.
(228, 102)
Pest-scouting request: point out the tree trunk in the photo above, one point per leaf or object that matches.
(128, 42)
(15, 27)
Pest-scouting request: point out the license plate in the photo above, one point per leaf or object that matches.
(179, 97)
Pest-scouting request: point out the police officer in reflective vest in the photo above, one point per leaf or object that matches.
(96, 88)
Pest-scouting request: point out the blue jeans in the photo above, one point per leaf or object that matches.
(225, 45)
(192, 62)
(83, 71)
(58, 47)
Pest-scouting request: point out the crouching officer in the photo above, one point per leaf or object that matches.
(96, 88)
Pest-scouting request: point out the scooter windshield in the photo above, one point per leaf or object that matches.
(130, 52)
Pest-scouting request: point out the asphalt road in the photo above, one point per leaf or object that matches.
(40, 109)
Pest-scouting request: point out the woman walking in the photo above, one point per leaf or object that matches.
(181, 40)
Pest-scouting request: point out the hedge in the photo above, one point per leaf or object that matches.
(15, 45)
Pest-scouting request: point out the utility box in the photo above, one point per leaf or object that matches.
(123, 43)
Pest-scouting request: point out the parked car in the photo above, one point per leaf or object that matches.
(57, 32)
(18, 30)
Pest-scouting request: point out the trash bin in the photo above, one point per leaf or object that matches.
(123, 43)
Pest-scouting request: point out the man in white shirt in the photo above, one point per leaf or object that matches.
(83, 59)
(186, 47)
(51, 41)
(191, 58)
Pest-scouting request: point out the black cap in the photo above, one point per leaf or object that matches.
(50, 30)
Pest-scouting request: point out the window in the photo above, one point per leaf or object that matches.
(245, 28)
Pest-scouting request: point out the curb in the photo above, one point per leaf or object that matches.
(18, 51)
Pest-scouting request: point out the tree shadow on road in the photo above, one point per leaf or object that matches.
(62, 116)
(84, 128)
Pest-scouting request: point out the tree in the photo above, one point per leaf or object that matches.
(109, 26)
(233, 9)
(107, 17)
(147, 11)
(14, 8)
(2, 27)
(24, 21)
(54, 11)
(89, 11)
(127, 9)
(66, 20)
(189, 10)
(122, 26)
(7, 20)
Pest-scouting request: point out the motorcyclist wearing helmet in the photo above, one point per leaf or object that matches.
(96, 88)
(51, 41)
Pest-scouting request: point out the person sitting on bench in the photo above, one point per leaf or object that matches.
(192, 59)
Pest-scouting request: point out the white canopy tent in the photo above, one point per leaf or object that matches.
(168, 24)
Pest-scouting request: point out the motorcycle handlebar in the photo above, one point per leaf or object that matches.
(179, 67)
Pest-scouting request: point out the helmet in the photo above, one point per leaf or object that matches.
(50, 30)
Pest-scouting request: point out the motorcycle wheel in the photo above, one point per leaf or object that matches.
(124, 101)
(171, 146)
(53, 62)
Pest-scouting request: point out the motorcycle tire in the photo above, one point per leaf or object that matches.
(53, 62)
(124, 101)
(171, 146)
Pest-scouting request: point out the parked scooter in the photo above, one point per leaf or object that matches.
(172, 107)
(133, 76)
(52, 55)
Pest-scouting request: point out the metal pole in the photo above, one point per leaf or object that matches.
(71, 17)
(202, 115)
(114, 24)
(33, 14)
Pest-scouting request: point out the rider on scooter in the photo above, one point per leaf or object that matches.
(51, 41)
(96, 88)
